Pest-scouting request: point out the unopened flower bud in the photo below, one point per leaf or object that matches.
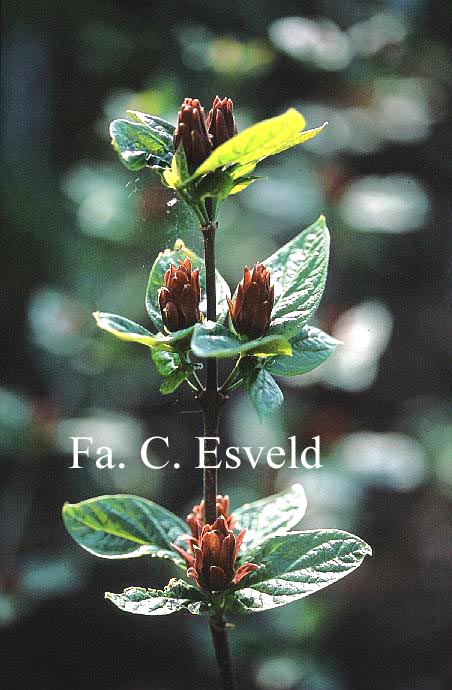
(251, 311)
(179, 298)
(191, 131)
(215, 551)
(196, 518)
(220, 121)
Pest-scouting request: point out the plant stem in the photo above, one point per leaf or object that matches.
(222, 653)
(211, 400)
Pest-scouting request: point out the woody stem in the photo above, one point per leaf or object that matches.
(211, 399)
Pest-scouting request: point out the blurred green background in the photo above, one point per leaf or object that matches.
(79, 233)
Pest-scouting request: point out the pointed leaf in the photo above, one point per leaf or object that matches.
(139, 145)
(295, 565)
(176, 596)
(174, 380)
(124, 526)
(263, 139)
(214, 340)
(124, 329)
(270, 516)
(264, 392)
(298, 272)
(161, 265)
(157, 123)
(310, 348)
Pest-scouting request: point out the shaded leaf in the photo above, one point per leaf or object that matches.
(214, 340)
(270, 516)
(264, 392)
(174, 380)
(295, 565)
(310, 348)
(165, 362)
(124, 526)
(176, 596)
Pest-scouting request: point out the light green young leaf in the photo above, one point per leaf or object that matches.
(310, 348)
(123, 526)
(211, 339)
(263, 139)
(163, 263)
(176, 596)
(295, 565)
(139, 145)
(270, 516)
(264, 392)
(298, 271)
(124, 329)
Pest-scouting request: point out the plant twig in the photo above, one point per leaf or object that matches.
(222, 653)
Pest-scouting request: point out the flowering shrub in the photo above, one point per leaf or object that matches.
(250, 560)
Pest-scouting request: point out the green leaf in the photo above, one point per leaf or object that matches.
(295, 565)
(124, 526)
(270, 516)
(176, 596)
(310, 348)
(162, 264)
(211, 339)
(263, 139)
(165, 362)
(264, 392)
(174, 380)
(298, 272)
(139, 144)
(157, 123)
(124, 329)
(219, 184)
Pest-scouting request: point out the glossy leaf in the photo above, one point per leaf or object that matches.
(161, 265)
(270, 516)
(214, 340)
(264, 392)
(124, 526)
(157, 123)
(259, 141)
(124, 329)
(298, 272)
(138, 144)
(295, 565)
(176, 596)
(310, 348)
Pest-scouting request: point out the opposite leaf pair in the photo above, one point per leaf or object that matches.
(286, 565)
(289, 347)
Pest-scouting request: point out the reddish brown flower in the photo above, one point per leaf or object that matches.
(215, 551)
(180, 296)
(220, 121)
(191, 130)
(251, 311)
(196, 518)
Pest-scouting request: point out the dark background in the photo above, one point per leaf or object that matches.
(79, 233)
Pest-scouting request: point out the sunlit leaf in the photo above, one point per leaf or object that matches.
(124, 526)
(270, 516)
(295, 565)
(124, 329)
(139, 145)
(176, 596)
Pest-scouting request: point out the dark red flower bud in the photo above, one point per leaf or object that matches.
(196, 518)
(251, 311)
(215, 551)
(220, 121)
(180, 296)
(191, 130)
